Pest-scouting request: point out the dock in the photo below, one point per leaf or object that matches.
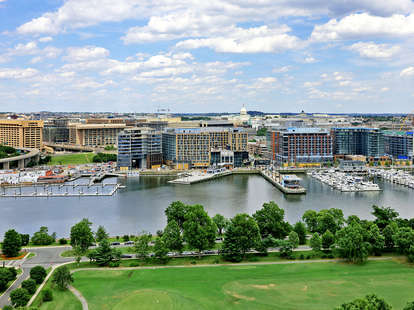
(197, 177)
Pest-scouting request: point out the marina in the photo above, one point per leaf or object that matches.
(400, 177)
(344, 182)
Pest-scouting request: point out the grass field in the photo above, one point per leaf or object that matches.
(288, 286)
(72, 159)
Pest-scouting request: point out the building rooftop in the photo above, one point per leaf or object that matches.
(305, 130)
(204, 130)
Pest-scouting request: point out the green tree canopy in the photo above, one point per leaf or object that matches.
(328, 239)
(172, 236)
(12, 243)
(199, 229)
(316, 242)
(176, 211)
(384, 216)
(403, 239)
(388, 232)
(42, 237)
(369, 302)
(294, 239)
(104, 254)
(241, 235)
(221, 223)
(270, 219)
(160, 250)
(19, 297)
(81, 235)
(351, 245)
(142, 246)
(310, 217)
(300, 229)
(101, 234)
(62, 278)
(38, 273)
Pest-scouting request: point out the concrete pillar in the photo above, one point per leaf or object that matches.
(20, 164)
(6, 165)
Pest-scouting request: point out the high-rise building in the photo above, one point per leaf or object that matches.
(398, 144)
(299, 145)
(139, 148)
(21, 133)
(358, 141)
(192, 147)
(95, 134)
(56, 131)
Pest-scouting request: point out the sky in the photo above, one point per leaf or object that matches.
(327, 56)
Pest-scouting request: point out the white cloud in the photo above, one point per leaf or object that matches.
(17, 73)
(309, 59)
(373, 50)
(253, 40)
(364, 26)
(407, 72)
(269, 79)
(86, 52)
(45, 39)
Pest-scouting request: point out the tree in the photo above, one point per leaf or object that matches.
(285, 248)
(12, 243)
(410, 254)
(221, 223)
(241, 235)
(310, 217)
(42, 237)
(384, 216)
(353, 218)
(199, 229)
(172, 236)
(160, 250)
(300, 229)
(403, 239)
(81, 235)
(388, 232)
(19, 297)
(101, 234)
(351, 245)
(271, 221)
(6, 276)
(294, 239)
(369, 302)
(332, 220)
(316, 242)
(29, 285)
(409, 306)
(375, 239)
(142, 246)
(47, 295)
(176, 211)
(103, 255)
(328, 240)
(62, 278)
(38, 274)
(25, 239)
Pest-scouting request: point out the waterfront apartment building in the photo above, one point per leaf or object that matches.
(95, 135)
(193, 147)
(139, 148)
(398, 144)
(299, 145)
(358, 141)
(21, 133)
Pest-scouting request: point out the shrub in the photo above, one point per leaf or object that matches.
(216, 260)
(193, 262)
(38, 274)
(19, 297)
(114, 264)
(308, 257)
(47, 295)
(125, 238)
(7, 307)
(134, 264)
(302, 256)
(29, 285)
(63, 241)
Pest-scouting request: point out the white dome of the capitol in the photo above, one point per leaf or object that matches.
(243, 111)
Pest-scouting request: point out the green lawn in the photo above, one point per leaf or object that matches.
(289, 286)
(72, 159)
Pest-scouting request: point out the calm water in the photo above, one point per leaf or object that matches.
(141, 206)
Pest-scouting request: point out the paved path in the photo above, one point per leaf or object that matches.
(80, 297)
(46, 257)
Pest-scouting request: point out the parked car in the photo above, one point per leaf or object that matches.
(116, 243)
(127, 255)
(129, 243)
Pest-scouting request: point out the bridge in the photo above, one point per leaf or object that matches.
(22, 160)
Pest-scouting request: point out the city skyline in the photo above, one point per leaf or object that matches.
(216, 56)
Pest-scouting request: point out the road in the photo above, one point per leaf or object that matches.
(45, 257)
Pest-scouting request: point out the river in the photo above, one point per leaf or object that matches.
(141, 205)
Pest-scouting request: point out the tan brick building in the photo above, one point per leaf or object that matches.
(21, 133)
(94, 134)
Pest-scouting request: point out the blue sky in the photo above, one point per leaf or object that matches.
(207, 56)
